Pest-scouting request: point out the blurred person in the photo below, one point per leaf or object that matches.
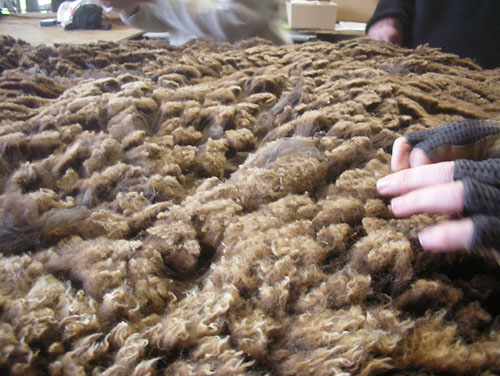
(468, 28)
(228, 20)
(454, 170)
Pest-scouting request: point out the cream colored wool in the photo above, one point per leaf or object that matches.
(212, 209)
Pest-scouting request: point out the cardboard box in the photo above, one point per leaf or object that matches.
(355, 10)
(315, 15)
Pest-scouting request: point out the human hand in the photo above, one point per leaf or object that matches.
(463, 187)
(129, 6)
(389, 29)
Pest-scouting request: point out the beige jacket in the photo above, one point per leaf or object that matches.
(229, 20)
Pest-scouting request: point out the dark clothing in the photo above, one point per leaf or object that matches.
(468, 28)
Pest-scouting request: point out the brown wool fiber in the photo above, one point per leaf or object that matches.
(212, 209)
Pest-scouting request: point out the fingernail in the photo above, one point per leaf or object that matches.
(382, 184)
(425, 238)
(395, 203)
(399, 207)
(422, 238)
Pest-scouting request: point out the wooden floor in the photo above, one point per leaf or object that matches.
(28, 29)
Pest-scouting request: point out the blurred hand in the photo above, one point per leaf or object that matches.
(129, 6)
(388, 29)
(425, 184)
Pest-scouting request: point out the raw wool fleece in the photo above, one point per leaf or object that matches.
(211, 209)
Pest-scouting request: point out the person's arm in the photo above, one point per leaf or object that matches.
(128, 7)
(467, 184)
(391, 21)
(225, 20)
(137, 13)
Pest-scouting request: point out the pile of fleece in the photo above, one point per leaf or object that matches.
(211, 209)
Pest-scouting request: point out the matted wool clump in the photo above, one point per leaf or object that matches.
(212, 209)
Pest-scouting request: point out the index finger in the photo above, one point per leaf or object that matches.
(414, 178)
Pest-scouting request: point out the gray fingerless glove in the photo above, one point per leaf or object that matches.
(469, 139)
(480, 198)
(482, 204)
(487, 172)
(486, 231)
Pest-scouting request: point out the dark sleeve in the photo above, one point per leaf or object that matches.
(401, 9)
